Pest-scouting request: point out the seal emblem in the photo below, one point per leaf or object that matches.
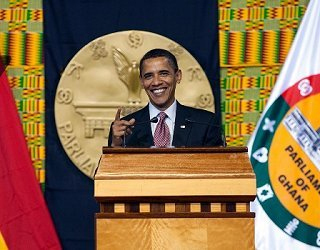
(286, 160)
(103, 76)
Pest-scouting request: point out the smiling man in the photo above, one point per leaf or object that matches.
(164, 122)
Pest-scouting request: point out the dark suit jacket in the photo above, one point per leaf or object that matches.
(200, 129)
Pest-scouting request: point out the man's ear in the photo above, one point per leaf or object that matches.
(179, 76)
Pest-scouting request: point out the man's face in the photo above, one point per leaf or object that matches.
(159, 81)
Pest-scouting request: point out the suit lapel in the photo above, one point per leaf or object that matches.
(181, 130)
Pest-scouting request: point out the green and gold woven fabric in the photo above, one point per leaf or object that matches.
(21, 35)
(255, 38)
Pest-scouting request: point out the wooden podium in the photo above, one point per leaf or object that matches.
(177, 198)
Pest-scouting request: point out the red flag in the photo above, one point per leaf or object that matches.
(25, 222)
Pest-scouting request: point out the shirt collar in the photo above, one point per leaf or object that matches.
(171, 111)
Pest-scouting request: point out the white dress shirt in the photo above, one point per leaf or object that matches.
(170, 120)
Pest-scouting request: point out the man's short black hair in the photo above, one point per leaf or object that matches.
(154, 53)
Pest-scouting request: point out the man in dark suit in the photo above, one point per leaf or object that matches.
(184, 126)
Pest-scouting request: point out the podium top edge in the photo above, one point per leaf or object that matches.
(111, 150)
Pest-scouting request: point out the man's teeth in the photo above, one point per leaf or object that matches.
(158, 91)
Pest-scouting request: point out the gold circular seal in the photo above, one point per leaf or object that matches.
(103, 76)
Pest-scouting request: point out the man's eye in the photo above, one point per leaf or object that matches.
(147, 76)
(164, 73)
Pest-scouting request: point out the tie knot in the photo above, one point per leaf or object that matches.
(162, 115)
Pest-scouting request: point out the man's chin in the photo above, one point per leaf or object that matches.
(161, 106)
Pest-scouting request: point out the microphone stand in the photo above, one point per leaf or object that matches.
(124, 139)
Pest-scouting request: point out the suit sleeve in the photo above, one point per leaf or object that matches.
(110, 136)
(215, 135)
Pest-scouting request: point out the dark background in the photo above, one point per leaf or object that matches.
(71, 24)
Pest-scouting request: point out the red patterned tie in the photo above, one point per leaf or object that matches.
(161, 136)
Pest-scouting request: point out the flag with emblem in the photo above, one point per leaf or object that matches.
(285, 148)
(25, 222)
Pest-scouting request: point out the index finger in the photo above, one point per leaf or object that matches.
(117, 118)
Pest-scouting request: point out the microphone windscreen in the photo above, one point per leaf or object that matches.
(154, 120)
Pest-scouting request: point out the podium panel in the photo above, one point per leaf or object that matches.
(175, 233)
(180, 198)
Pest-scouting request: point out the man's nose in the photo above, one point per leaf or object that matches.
(156, 80)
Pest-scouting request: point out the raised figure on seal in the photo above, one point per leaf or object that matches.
(128, 73)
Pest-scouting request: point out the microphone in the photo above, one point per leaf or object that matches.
(223, 138)
(188, 121)
(152, 120)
